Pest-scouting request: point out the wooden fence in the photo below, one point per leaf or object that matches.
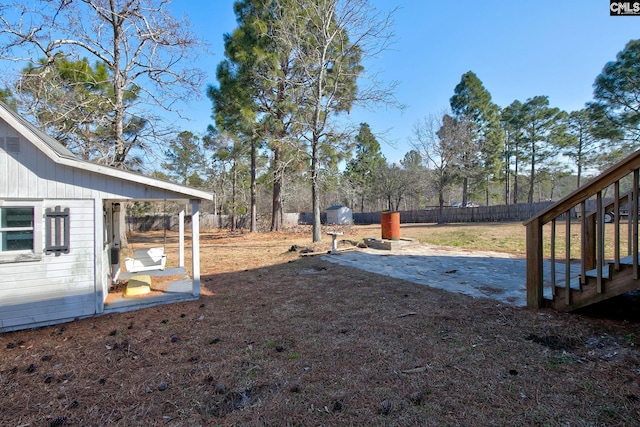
(501, 213)
(207, 221)
(519, 212)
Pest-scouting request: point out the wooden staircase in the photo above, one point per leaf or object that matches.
(606, 252)
(616, 282)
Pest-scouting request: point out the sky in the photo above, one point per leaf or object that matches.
(518, 49)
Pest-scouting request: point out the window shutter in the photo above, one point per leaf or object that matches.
(57, 230)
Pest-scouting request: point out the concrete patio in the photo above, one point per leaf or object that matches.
(480, 274)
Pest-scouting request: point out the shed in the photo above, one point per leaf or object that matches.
(59, 223)
(338, 214)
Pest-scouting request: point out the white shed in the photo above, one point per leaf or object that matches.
(58, 228)
(339, 215)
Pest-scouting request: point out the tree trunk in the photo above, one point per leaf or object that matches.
(398, 201)
(532, 176)
(315, 150)
(254, 196)
(118, 107)
(315, 191)
(507, 181)
(122, 219)
(515, 177)
(276, 206)
(234, 179)
(465, 186)
(579, 164)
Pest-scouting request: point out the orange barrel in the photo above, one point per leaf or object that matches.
(390, 222)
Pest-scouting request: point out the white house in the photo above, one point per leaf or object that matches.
(339, 215)
(58, 227)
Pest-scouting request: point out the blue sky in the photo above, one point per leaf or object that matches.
(518, 49)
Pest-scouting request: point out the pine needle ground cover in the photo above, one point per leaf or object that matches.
(283, 339)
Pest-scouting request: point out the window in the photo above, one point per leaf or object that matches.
(20, 238)
(16, 228)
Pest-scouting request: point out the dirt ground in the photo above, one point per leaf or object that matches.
(281, 339)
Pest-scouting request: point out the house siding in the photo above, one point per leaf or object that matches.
(31, 174)
(58, 287)
(41, 289)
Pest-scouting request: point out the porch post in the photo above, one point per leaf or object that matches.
(100, 278)
(195, 245)
(181, 238)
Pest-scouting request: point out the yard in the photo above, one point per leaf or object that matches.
(283, 339)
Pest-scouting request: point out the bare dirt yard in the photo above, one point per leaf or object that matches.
(280, 339)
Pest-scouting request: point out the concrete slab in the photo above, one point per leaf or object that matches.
(391, 245)
(479, 274)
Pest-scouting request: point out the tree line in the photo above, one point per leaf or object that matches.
(280, 139)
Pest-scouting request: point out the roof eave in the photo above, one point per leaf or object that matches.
(65, 157)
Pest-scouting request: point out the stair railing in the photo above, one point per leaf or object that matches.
(592, 231)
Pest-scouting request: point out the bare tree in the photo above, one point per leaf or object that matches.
(329, 40)
(146, 52)
(393, 183)
(436, 153)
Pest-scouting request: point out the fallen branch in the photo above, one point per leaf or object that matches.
(411, 313)
(415, 370)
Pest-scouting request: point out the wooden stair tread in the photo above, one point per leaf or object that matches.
(606, 272)
(628, 260)
(574, 283)
(617, 283)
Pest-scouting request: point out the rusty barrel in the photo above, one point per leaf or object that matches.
(390, 222)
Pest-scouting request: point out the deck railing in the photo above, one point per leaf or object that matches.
(622, 181)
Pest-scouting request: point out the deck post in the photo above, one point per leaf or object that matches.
(534, 264)
(590, 243)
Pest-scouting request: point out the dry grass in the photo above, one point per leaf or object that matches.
(290, 340)
(508, 237)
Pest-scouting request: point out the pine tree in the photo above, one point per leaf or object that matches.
(482, 153)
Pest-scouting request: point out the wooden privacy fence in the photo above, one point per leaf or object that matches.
(505, 213)
(207, 221)
(171, 222)
(519, 212)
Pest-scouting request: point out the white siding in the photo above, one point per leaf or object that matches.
(58, 287)
(61, 287)
(4, 182)
(31, 174)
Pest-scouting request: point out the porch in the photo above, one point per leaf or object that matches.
(167, 286)
(164, 261)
